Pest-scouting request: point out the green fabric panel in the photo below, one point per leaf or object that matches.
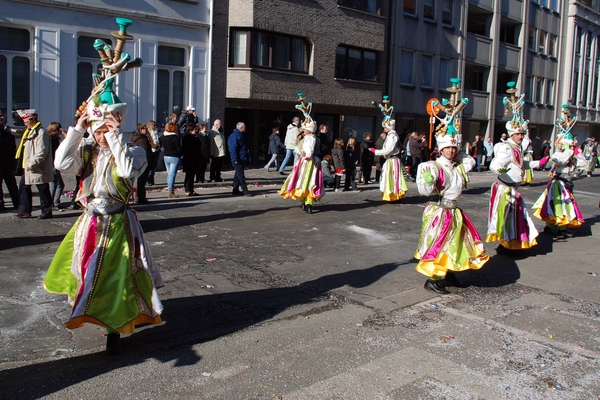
(59, 278)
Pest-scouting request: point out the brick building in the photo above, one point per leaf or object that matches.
(265, 52)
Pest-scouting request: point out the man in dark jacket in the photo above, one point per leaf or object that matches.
(189, 117)
(8, 149)
(415, 145)
(479, 152)
(536, 146)
(238, 151)
(192, 158)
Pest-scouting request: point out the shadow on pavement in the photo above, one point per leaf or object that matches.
(498, 271)
(189, 321)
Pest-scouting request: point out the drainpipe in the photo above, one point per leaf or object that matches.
(209, 64)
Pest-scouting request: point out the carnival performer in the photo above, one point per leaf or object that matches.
(305, 183)
(391, 182)
(449, 241)
(509, 222)
(527, 147)
(104, 263)
(557, 206)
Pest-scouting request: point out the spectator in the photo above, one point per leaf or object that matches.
(326, 168)
(192, 158)
(379, 160)
(57, 186)
(189, 117)
(489, 151)
(367, 158)
(338, 162)
(142, 138)
(155, 144)
(536, 145)
(240, 156)
(503, 138)
(350, 161)
(173, 153)
(479, 152)
(35, 158)
(323, 141)
(415, 144)
(290, 143)
(7, 164)
(276, 147)
(217, 151)
(204, 153)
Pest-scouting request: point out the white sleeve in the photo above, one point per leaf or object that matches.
(388, 146)
(67, 158)
(467, 161)
(424, 188)
(562, 158)
(130, 159)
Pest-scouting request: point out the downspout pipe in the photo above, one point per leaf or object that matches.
(209, 64)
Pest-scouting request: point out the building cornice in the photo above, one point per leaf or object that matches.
(135, 15)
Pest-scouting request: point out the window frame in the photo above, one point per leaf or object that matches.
(408, 13)
(347, 75)
(412, 67)
(532, 39)
(443, 81)
(542, 38)
(431, 59)
(552, 45)
(444, 22)
(250, 51)
(10, 56)
(549, 92)
(364, 8)
(425, 13)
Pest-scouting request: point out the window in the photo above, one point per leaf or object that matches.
(539, 85)
(478, 24)
(406, 67)
(371, 6)
(476, 78)
(354, 63)
(542, 42)
(170, 79)
(595, 92)
(552, 43)
(588, 45)
(88, 62)
(574, 85)
(503, 78)
(584, 89)
(554, 5)
(531, 41)
(445, 69)
(528, 88)
(549, 92)
(268, 50)
(447, 12)
(508, 34)
(409, 7)
(15, 72)
(578, 37)
(426, 71)
(429, 9)
(544, 3)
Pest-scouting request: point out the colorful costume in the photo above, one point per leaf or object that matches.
(391, 182)
(104, 263)
(557, 205)
(508, 220)
(449, 241)
(305, 183)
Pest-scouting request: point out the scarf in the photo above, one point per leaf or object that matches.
(28, 132)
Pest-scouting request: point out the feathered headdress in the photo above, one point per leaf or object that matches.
(564, 125)
(387, 111)
(306, 108)
(447, 133)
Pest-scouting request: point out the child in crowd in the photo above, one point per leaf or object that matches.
(350, 161)
(326, 168)
(338, 162)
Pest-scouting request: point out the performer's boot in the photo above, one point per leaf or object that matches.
(303, 206)
(113, 343)
(308, 208)
(451, 280)
(565, 233)
(435, 286)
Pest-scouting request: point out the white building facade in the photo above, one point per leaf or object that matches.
(47, 56)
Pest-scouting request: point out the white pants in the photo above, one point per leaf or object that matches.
(271, 161)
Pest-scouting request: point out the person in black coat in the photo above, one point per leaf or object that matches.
(536, 146)
(192, 158)
(204, 153)
(350, 161)
(276, 147)
(367, 158)
(141, 137)
(8, 148)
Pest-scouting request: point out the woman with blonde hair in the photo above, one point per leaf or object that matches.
(172, 148)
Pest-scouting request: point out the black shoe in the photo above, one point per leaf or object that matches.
(565, 234)
(22, 214)
(143, 201)
(247, 194)
(45, 216)
(435, 286)
(303, 207)
(308, 209)
(548, 230)
(282, 173)
(451, 280)
(503, 250)
(237, 193)
(113, 344)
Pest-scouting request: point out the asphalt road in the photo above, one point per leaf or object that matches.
(263, 301)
